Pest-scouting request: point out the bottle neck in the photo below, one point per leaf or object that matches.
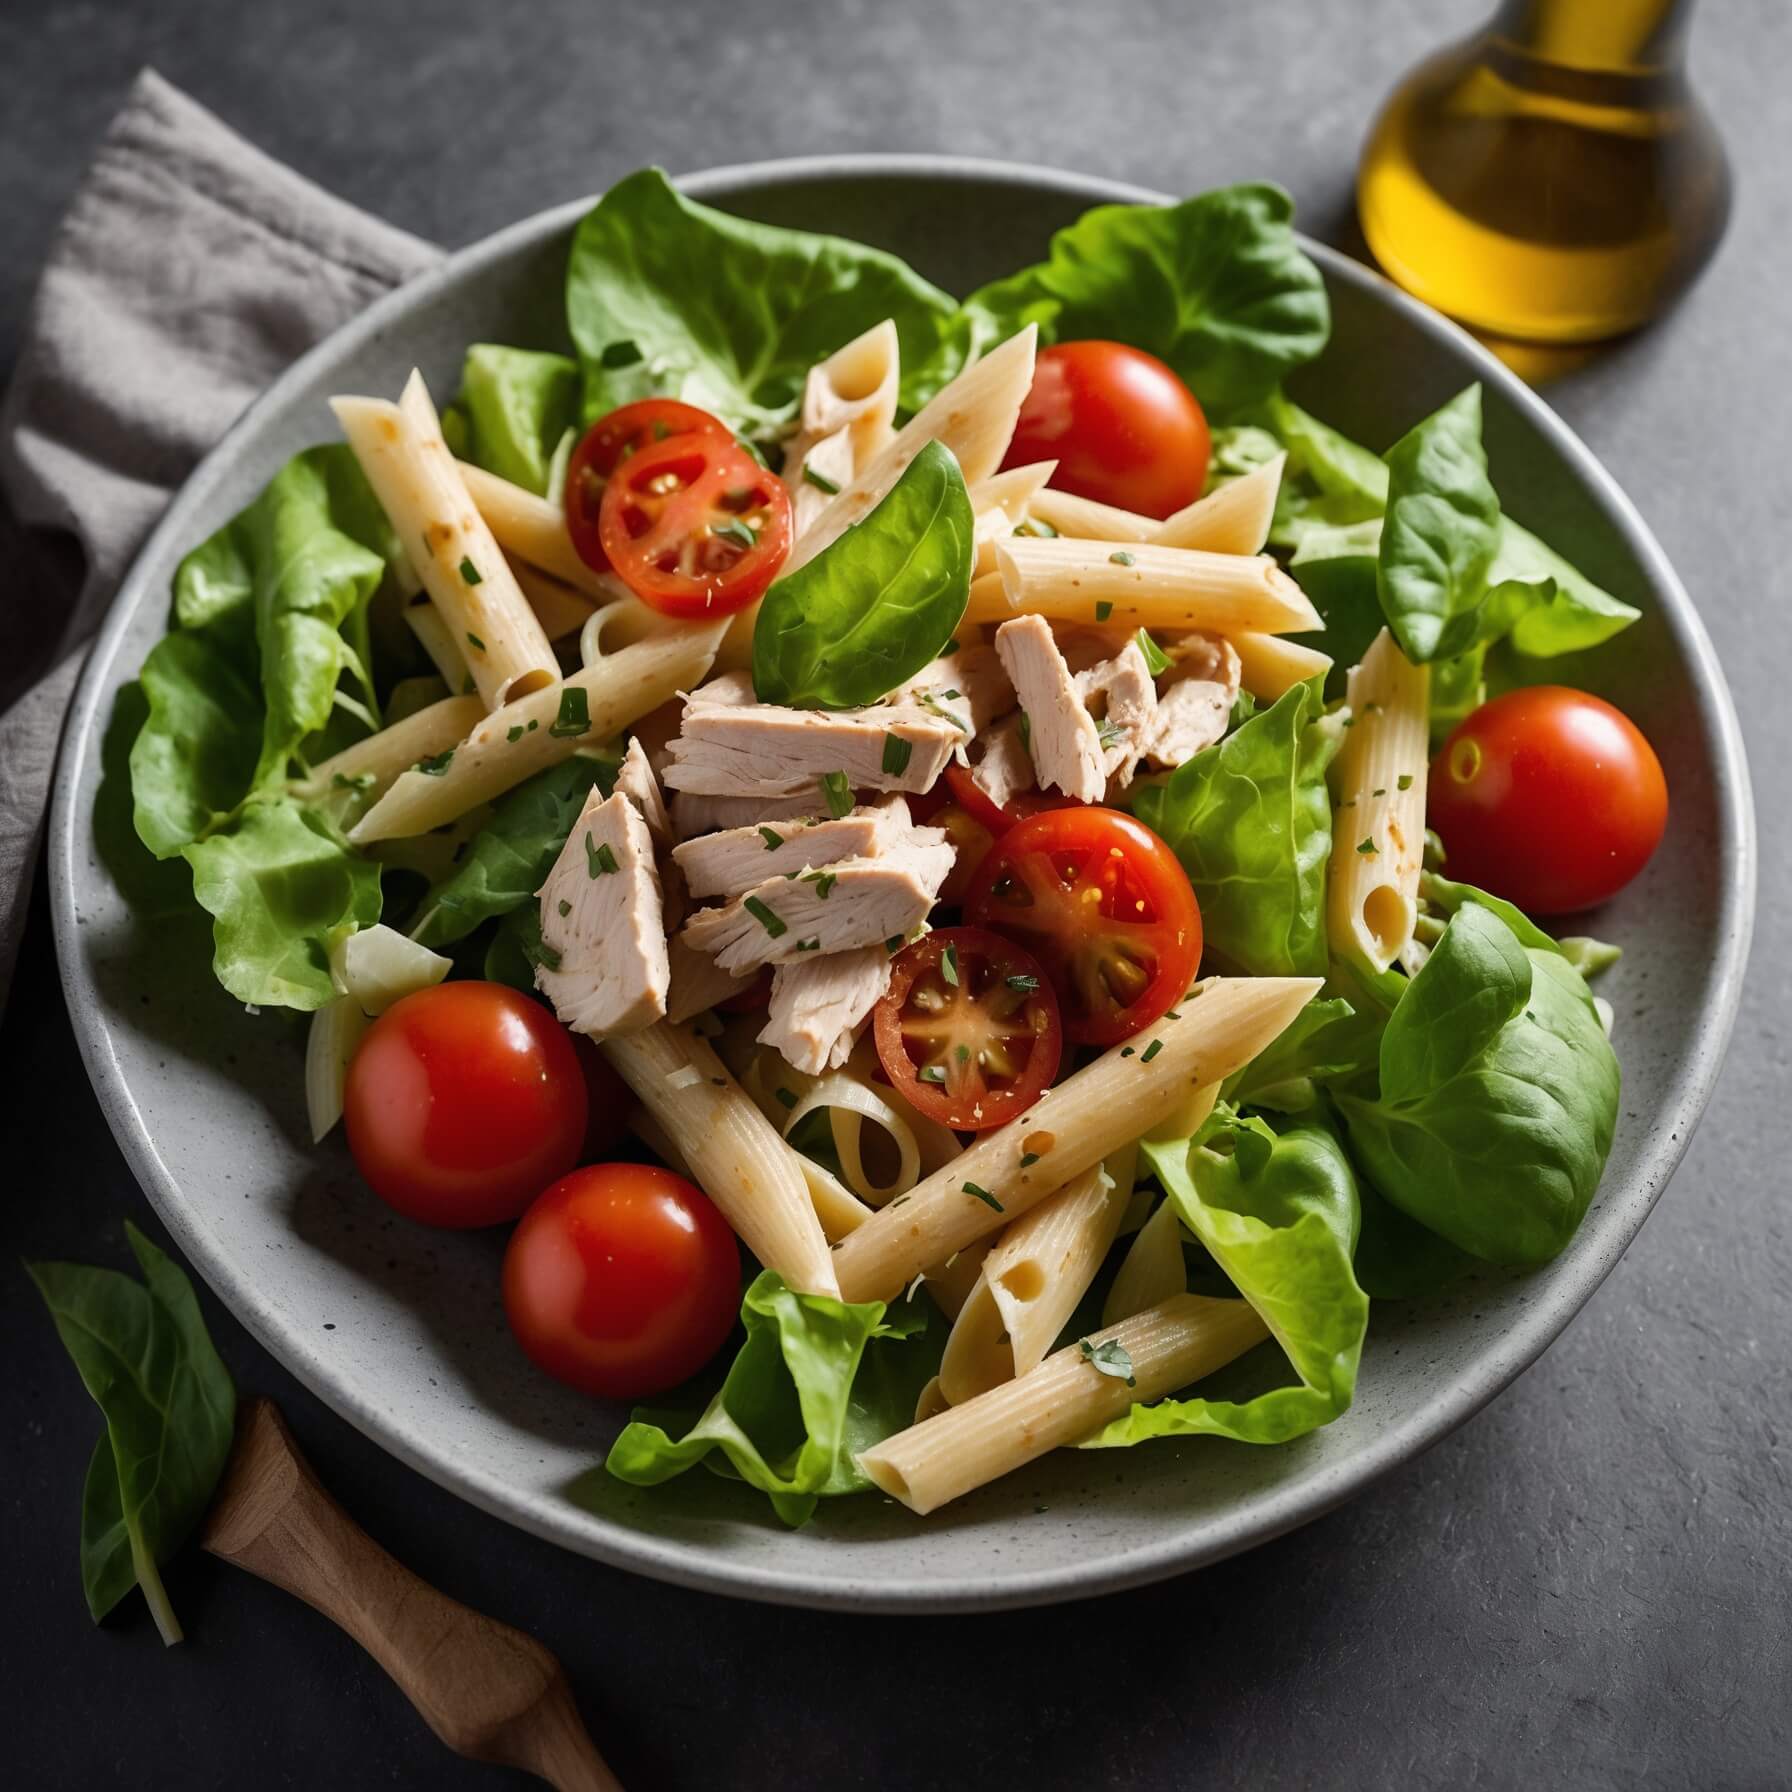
(1634, 37)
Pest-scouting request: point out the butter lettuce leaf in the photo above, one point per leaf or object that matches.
(518, 404)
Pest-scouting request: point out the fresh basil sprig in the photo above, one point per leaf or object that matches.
(873, 608)
(145, 1356)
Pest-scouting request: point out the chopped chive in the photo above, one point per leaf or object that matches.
(1026, 731)
(474, 642)
(565, 909)
(624, 353)
(1022, 983)
(1151, 1051)
(541, 953)
(1172, 1014)
(1368, 848)
(1120, 557)
(1028, 1159)
(836, 793)
(820, 481)
(436, 764)
(1111, 1358)
(1103, 611)
(1037, 525)
(1382, 791)
(813, 945)
(575, 714)
(788, 1097)
(1404, 781)
(513, 735)
(949, 965)
(1156, 660)
(823, 881)
(767, 918)
(772, 838)
(983, 1195)
(1109, 734)
(473, 576)
(931, 1073)
(600, 861)
(533, 725)
(893, 944)
(896, 754)
(737, 530)
(1126, 1051)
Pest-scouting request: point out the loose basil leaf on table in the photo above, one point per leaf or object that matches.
(1216, 287)
(872, 608)
(518, 405)
(1279, 1213)
(1498, 1095)
(667, 298)
(145, 1356)
(1251, 820)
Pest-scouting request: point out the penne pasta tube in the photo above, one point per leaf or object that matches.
(951, 1283)
(1143, 586)
(1064, 1399)
(1233, 518)
(413, 475)
(853, 391)
(533, 528)
(1068, 1130)
(1082, 519)
(1372, 893)
(424, 621)
(557, 606)
(533, 732)
(730, 1148)
(1270, 666)
(375, 762)
(1013, 490)
(1152, 1269)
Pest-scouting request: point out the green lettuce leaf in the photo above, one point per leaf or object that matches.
(1498, 1095)
(1570, 614)
(668, 298)
(170, 1407)
(816, 1381)
(1251, 820)
(1329, 1041)
(871, 609)
(1279, 1213)
(512, 854)
(1217, 287)
(518, 405)
(282, 885)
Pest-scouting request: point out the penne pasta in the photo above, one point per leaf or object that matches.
(950, 1283)
(1069, 1130)
(730, 1148)
(1270, 666)
(528, 735)
(1082, 519)
(557, 606)
(1064, 1399)
(1233, 518)
(372, 764)
(424, 621)
(413, 475)
(849, 406)
(1143, 586)
(1013, 490)
(1152, 1269)
(533, 529)
(1372, 893)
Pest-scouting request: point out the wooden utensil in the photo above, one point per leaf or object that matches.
(490, 1692)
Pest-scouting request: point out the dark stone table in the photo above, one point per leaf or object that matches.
(1587, 1585)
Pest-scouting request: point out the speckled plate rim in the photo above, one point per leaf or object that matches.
(1622, 1208)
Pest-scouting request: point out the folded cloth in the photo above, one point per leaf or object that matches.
(190, 270)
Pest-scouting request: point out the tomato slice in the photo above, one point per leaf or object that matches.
(968, 1030)
(981, 807)
(1106, 907)
(605, 445)
(695, 526)
(971, 841)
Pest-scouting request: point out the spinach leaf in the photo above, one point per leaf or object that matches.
(667, 297)
(1498, 1095)
(144, 1355)
(1279, 1213)
(871, 609)
(1216, 287)
(518, 405)
(282, 885)
(816, 1381)
(512, 853)
(1251, 820)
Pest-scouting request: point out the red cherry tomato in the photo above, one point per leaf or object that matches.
(1122, 427)
(968, 1030)
(607, 1101)
(970, 841)
(1549, 797)
(608, 442)
(695, 526)
(622, 1280)
(1105, 906)
(462, 1102)
(982, 808)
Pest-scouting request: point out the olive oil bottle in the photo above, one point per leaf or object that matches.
(1553, 179)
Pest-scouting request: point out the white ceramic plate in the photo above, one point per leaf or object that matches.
(400, 1330)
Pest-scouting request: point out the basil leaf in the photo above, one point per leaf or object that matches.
(1498, 1095)
(513, 853)
(144, 1355)
(281, 885)
(1216, 287)
(1570, 614)
(1251, 820)
(518, 405)
(874, 607)
(729, 314)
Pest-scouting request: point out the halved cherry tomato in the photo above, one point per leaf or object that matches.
(605, 445)
(695, 526)
(1106, 907)
(1122, 427)
(607, 1101)
(1000, 817)
(1549, 797)
(463, 1102)
(971, 840)
(968, 1030)
(622, 1280)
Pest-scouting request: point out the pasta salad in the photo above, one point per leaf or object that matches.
(951, 867)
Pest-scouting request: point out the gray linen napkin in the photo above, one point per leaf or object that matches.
(190, 270)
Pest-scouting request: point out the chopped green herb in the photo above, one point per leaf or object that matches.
(1368, 848)
(600, 861)
(360, 781)
(1382, 791)
(1037, 525)
(1151, 1051)
(823, 881)
(1120, 557)
(437, 764)
(737, 529)
(1156, 660)
(931, 1073)
(1026, 731)
(473, 576)
(772, 838)
(836, 793)
(1404, 781)
(931, 700)
(1111, 1358)
(1028, 1159)
(515, 734)
(767, 918)
(1022, 983)
(538, 951)
(1109, 734)
(575, 714)
(897, 753)
(893, 944)
(474, 642)
(813, 945)
(787, 1097)
(533, 725)
(565, 909)
(983, 1195)
(820, 481)
(964, 1054)
(1103, 610)
(1126, 1051)
(949, 965)
(620, 354)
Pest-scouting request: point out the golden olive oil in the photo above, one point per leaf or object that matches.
(1553, 179)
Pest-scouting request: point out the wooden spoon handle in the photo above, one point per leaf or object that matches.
(490, 1692)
